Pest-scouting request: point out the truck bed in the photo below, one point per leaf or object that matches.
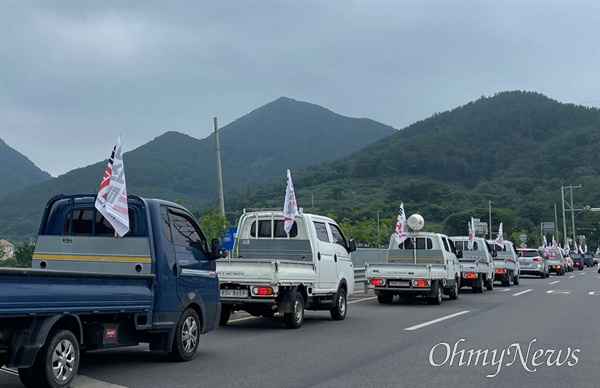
(405, 271)
(472, 264)
(266, 272)
(26, 292)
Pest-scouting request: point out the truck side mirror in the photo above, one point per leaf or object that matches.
(351, 245)
(216, 251)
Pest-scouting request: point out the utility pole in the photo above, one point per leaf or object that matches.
(219, 173)
(490, 210)
(562, 192)
(378, 239)
(555, 222)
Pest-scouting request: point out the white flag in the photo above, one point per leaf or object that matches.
(554, 242)
(111, 200)
(580, 250)
(585, 249)
(290, 208)
(545, 243)
(567, 249)
(471, 234)
(401, 232)
(500, 238)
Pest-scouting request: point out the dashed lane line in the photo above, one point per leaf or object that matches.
(571, 277)
(9, 371)
(557, 281)
(421, 325)
(522, 292)
(504, 289)
(360, 300)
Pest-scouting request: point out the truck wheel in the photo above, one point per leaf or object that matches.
(543, 275)
(225, 315)
(516, 280)
(454, 290)
(437, 299)
(187, 336)
(385, 298)
(56, 363)
(338, 313)
(489, 285)
(294, 319)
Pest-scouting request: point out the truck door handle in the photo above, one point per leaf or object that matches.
(335, 258)
(319, 255)
(176, 269)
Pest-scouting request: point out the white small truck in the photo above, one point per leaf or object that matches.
(425, 264)
(476, 264)
(270, 271)
(506, 263)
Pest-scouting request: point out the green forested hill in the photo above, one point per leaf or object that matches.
(17, 171)
(259, 146)
(514, 148)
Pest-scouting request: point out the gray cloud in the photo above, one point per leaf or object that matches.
(74, 74)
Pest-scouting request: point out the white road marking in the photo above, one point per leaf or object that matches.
(436, 320)
(562, 292)
(360, 300)
(558, 281)
(594, 293)
(522, 292)
(504, 289)
(571, 277)
(242, 319)
(9, 371)
(81, 381)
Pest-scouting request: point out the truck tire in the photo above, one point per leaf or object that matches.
(338, 313)
(225, 315)
(454, 290)
(385, 298)
(516, 280)
(543, 275)
(489, 283)
(437, 299)
(60, 352)
(294, 319)
(187, 336)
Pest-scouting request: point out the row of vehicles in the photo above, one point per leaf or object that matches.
(430, 265)
(543, 261)
(165, 284)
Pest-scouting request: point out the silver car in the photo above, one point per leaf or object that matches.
(531, 262)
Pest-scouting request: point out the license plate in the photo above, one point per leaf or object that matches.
(399, 283)
(234, 293)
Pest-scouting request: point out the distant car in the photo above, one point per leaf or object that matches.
(531, 262)
(588, 260)
(577, 262)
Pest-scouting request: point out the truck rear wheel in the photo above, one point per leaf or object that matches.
(225, 315)
(489, 283)
(294, 319)
(56, 363)
(516, 280)
(338, 313)
(454, 290)
(187, 336)
(437, 299)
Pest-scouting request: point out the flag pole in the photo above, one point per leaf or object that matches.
(219, 172)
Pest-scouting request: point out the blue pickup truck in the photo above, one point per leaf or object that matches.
(89, 290)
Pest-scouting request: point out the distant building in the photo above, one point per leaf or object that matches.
(8, 248)
(480, 226)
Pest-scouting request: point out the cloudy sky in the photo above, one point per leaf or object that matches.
(76, 73)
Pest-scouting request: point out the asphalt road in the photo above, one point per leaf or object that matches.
(389, 345)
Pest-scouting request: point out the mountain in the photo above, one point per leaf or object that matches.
(257, 147)
(515, 149)
(17, 171)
